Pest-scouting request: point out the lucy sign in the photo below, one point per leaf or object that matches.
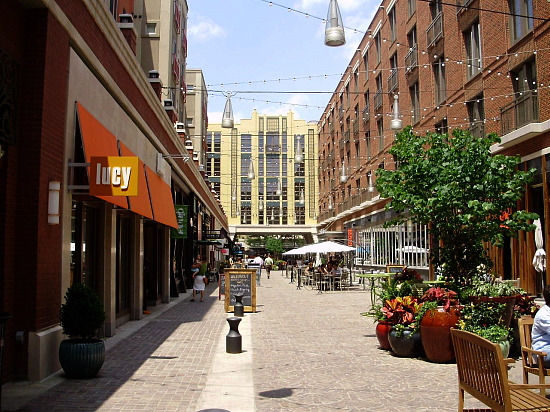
(114, 176)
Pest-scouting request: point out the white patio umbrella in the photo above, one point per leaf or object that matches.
(296, 251)
(539, 260)
(326, 247)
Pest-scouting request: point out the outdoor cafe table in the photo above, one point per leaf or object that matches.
(373, 278)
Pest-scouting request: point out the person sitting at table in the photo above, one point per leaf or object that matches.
(541, 328)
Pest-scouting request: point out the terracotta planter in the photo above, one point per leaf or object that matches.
(509, 301)
(382, 332)
(408, 345)
(435, 330)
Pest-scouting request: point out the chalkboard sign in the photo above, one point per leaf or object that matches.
(395, 268)
(240, 282)
(221, 286)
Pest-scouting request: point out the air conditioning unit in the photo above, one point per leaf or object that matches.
(358, 261)
(179, 126)
(168, 104)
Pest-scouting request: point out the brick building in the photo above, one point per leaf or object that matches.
(73, 93)
(477, 65)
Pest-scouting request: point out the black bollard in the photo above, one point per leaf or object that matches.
(233, 340)
(238, 308)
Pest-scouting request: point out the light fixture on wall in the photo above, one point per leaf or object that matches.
(227, 119)
(53, 202)
(334, 29)
(251, 174)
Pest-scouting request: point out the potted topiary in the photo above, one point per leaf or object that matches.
(82, 355)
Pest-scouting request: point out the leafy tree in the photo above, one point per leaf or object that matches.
(453, 184)
(274, 245)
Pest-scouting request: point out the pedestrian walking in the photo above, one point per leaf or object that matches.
(268, 265)
(257, 263)
(200, 280)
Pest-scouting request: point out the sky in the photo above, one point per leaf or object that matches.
(249, 48)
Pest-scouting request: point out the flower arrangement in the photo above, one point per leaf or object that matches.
(443, 297)
(525, 306)
(401, 312)
(484, 319)
(408, 275)
(486, 284)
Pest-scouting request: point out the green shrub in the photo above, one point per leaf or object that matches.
(82, 314)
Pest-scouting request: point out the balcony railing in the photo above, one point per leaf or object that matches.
(366, 113)
(392, 80)
(378, 99)
(435, 30)
(523, 110)
(411, 58)
(477, 129)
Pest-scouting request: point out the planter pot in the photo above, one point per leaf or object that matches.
(408, 345)
(505, 347)
(435, 330)
(382, 332)
(81, 359)
(509, 301)
(515, 346)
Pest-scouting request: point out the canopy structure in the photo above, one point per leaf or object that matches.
(322, 247)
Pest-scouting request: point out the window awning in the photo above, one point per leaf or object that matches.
(98, 141)
(161, 199)
(140, 204)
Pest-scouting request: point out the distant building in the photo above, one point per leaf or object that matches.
(282, 196)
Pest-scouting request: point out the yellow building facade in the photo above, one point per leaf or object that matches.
(265, 171)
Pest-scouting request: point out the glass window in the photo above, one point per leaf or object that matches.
(415, 103)
(476, 113)
(393, 24)
(378, 43)
(366, 64)
(272, 143)
(246, 189)
(272, 166)
(245, 164)
(440, 81)
(246, 143)
(472, 42)
(217, 167)
(521, 25)
(380, 128)
(217, 142)
(411, 7)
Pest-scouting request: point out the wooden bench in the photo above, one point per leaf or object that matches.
(483, 373)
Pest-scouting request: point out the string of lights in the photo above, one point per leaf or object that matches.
(497, 57)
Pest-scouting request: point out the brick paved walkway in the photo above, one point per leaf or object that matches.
(307, 352)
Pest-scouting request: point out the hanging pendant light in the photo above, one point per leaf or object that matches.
(279, 192)
(298, 158)
(234, 195)
(251, 174)
(343, 176)
(272, 215)
(227, 119)
(396, 123)
(261, 205)
(330, 203)
(334, 29)
(302, 198)
(371, 187)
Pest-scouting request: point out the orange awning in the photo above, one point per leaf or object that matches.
(161, 199)
(140, 204)
(98, 142)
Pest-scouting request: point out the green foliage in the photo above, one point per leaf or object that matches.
(491, 287)
(454, 184)
(82, 314)
(525, 306)
(274, 245)
(485, 319)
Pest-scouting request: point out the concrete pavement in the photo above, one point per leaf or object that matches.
(302, 351)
